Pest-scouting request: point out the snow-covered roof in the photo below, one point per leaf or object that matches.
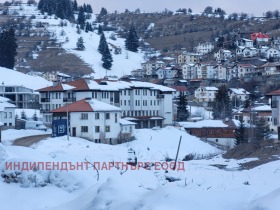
(262, 108)
(126, 122)
(4, 105)
(67, 87)
(15, 78)
(211, 88)
(3, 99)
(239, 91)
(101, 106)
(63, 75)
(205, 123)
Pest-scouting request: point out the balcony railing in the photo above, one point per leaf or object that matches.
(160, 96)
(45, 100)
(69, 99)
(44, 111)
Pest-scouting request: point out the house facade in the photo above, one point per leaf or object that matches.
(148, 104)
(21, 96)
(205, 94)
(204, 48)
(220, 132)
(93, 120)
(7, 112)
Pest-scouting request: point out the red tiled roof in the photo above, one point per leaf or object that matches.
(80, 84)
(51, 88)
(274, 93)
(78, 106)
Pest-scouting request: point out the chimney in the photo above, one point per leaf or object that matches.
(55, 83)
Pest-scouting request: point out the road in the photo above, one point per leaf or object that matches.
(29, 140)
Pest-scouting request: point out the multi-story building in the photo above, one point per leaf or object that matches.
(222, 55)
(151, 66)
(94, 120)
(271, 68)
(205, 94)
(186, 58)
(204, 48)
(168, 72)
(21, 96)
(189, 71)
(144, 103)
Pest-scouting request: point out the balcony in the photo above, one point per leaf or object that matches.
(44, 111)
(160, 96)
(45, 100)
(69, 99)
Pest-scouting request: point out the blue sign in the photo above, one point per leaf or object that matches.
(59, 127)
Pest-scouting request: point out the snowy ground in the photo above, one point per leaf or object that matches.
(123, 63)
(201, 186)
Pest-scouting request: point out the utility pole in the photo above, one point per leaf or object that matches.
(177, 153)
(67, 113)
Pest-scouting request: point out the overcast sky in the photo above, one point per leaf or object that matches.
(256, 7)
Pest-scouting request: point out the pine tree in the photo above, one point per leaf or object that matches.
(132, 40)
(222, 107)
(102, 44)
(80, 44)
(182, 111)
(240, 133)
(35, 117)
(75, 5)
(81, 18)
(262, 129)
(23, 115)
(100, 30)
(107, 58)
(8, 48)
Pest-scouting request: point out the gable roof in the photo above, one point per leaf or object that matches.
(274, 93)
(85, 105)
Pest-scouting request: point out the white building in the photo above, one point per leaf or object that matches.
(189, 71)
(168, 72)
(271, 68)
(151, 66)
(205, 94)
(222, 55)
(7, 112)
(204, 48)
(272, 53)
(149, 104)
(185, 58)
(245, 43)
(246, 51)
(93, 120)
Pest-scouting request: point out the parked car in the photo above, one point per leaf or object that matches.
(36, 125)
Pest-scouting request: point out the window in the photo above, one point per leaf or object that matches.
(116, 117)
(107, 129)
(5, 114)
(84, 116)
(97, 116)
(107, 116)
(84, 129)
(10, 114)
(275, 121)
(97, 129)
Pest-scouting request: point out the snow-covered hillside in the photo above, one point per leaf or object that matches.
(11, 77)
(203, 185)
(123, 63)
